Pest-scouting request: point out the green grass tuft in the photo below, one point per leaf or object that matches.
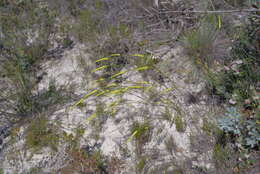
(200, 42)
(41, 134)
(179, 123)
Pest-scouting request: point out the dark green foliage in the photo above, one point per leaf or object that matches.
(20, 78)
(240, 78)
(22, 99)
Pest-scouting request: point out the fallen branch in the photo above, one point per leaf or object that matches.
(220, 11)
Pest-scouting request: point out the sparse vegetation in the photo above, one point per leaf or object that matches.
(141, 164)
(167, 115)
(200, 42)
(84, 162)
(141, 132)
(35, 171)
(220, 155)
(87, 159)
(22, 49)
(208, 127)
(41, 134)
(170, 145)
(126, 81)
(87, 28)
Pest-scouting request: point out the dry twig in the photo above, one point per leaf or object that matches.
(216, 11)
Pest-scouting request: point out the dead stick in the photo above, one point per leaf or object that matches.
(220, 11)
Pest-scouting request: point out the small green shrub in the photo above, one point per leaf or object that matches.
(179, 123)
(20, 79)
(208, 127)
(141, 164)
(22, 83)
(245, 131)
(41, 134)
(142, 131)
(35, 170)
(220, 155)
(83, 161)
(50, 97)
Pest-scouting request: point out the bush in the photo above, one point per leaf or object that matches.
(41, 134)
(246, 132)
(239, 79)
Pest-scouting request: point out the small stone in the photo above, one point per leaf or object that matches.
(256, 98)
(231, 101)
(239, 62)
(226, 68)
(247, 101)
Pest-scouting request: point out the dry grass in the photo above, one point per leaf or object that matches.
(89, 163)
